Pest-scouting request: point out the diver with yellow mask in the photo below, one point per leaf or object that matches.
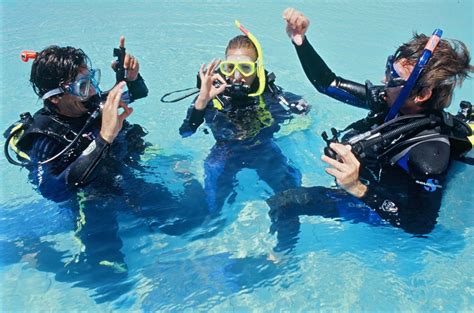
(243, 107)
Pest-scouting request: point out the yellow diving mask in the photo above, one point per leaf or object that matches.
(259, 68)
(246, 68)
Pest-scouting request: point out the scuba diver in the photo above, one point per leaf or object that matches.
(243, 107)
(81, 152)
(390, 167)
(64, 143)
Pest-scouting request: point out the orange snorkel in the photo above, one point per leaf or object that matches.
(26, 55)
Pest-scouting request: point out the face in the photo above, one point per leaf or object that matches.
(72, 105)
(242, 55)
(403, 70)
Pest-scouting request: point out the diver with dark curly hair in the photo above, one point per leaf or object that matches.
(390, 167)
(243, 107)
(81, 152)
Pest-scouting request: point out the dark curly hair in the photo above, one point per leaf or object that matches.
(54, 66)
(447, 68)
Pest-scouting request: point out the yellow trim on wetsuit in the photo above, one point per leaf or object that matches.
(471, 138)
(217, 104)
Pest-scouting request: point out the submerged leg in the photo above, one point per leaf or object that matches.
(288, 205)
(220, 169)
(275, 169)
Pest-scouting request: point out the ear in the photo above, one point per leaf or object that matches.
(55, 100)
(423, 95)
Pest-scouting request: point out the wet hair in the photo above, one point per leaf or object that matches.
(54, 66)
(447, 68)
(241, 41)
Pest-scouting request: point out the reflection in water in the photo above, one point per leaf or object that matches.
(204, 282)
(93, 259)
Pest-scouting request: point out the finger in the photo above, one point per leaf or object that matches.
(133, 64)
(298, 22)
(201, 71)
(345, 153)
(287, 13)
(212, 69)
(293, 19)
(136, 65)
(126, 112)
(204, 70)
(115, 95)
(114, 65)
(305, 24)
(221, 88)
(334, 163)
(122, 42)
(123, 116)
(125, 107)
(333, 172)
(219, 78)
(126, 61)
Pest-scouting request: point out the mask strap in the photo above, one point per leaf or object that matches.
(52, 92)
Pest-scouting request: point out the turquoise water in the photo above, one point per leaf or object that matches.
(336, 266)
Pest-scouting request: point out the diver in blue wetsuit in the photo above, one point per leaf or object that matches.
(80, 151)
(243, 108)
(391, 166)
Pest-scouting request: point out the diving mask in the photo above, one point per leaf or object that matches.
(391, 76)
(80, 87)
(246, 68)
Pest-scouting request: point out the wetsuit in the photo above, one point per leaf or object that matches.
(50, 133)
(406, 194)
(96, 180)
(243, 130)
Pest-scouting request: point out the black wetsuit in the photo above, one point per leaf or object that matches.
(244, 130)
(406, 194)
(59, 179)
(96, 180)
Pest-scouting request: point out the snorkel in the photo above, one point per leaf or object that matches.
(419, 66)
(120, 72)
(260, 66)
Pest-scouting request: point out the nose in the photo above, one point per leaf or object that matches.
(92, 90)
(238, 76)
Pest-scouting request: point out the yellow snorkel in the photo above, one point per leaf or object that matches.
(260, 67)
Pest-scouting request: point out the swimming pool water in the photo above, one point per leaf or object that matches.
(227, 264)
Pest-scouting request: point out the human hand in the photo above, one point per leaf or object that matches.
(208, 90)
(112, 122)
(296, 25)
(130, 63)
(347, 171)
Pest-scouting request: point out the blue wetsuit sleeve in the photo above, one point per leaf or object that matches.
(137, 88)
(194, 118)
(56, 180)
(322, 78)
(415, 206)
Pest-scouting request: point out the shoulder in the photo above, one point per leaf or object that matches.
(430, 157)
